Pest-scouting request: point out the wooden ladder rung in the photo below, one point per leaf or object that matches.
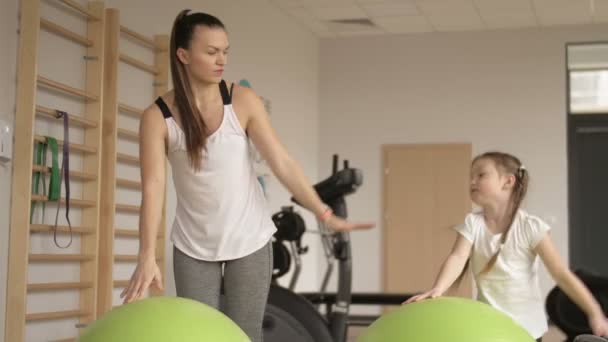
(130, 110)
(75, 202)
(66, 340)
(122, 232)
(138, 64)
(47, 228)
(121, 283)
(128, 183)
(59, 286)
(74, 119)
(139, 37)
(60, 257)
(128, 208)
(125, 158)
(79, 8)
(127, 258)
(126, 232)
(48, 316)
(75, 147)
(127, 134)
(73, 174)
(65, 33)
(65, 88)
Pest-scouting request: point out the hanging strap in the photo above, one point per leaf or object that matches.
(64, 175)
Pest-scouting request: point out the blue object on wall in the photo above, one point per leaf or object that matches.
(245, 83)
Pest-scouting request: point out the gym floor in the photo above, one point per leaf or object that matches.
(554, 335)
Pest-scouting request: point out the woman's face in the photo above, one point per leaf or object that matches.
(207, 54)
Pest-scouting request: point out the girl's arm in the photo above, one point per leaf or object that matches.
(572, 286)
(450, 270)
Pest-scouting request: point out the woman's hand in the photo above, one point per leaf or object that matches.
(146, 273)
(342, 225)
(599, 325)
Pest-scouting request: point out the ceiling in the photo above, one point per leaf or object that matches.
(336, 18)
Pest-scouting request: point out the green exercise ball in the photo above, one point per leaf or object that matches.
(446, 319)
(164, 319)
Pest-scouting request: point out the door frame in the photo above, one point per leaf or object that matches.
(573, 122)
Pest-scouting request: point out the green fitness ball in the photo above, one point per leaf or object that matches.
(164, 319)
(446, 319)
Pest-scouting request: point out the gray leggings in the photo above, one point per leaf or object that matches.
(246, 283)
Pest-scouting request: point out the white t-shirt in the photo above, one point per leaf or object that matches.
(511, 285)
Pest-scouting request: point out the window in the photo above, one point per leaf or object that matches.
(588, 78)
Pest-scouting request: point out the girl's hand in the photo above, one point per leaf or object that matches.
(433, 293)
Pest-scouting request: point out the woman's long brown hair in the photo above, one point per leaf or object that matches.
(195, 129)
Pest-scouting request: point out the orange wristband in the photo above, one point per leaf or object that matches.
(326, 214)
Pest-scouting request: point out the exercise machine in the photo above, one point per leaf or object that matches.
(292, 317)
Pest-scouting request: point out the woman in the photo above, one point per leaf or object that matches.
(222, 229)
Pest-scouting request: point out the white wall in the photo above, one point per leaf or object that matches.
(277, 56)
(8, 58)
(501, 90)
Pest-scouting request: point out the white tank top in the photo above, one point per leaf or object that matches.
(221, 210)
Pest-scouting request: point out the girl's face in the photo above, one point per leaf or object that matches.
(489, 185)
(207, 54)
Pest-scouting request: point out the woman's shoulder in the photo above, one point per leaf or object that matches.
(168, 98)
(152, 117)
(247, 103)
(242, 94)
(156, 108)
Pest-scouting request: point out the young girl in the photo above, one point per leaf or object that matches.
(222, 228)
(502, 243)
